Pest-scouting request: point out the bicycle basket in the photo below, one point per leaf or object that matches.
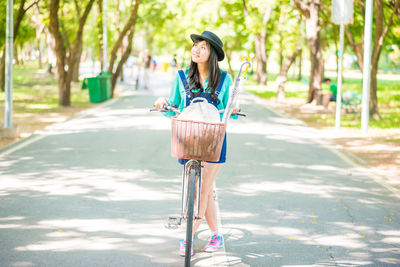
(196, 140)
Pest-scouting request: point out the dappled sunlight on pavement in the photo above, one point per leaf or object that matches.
(96, 191)
(101, 184)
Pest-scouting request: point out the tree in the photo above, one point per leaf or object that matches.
(381, 31)
(17, 22)
(231, 22)
(39, 30)
(311, 14)
(66, 55)
(282, 77)
(128, 30)
(289, 43)
(257, 18)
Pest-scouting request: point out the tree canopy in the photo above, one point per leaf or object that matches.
(268, 31)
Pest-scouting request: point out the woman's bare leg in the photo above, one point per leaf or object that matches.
(211, 213)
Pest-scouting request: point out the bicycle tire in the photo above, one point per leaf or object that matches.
(189, 220)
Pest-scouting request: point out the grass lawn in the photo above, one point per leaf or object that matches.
(388, 102)
(35, 100)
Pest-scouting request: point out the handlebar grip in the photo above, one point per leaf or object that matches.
(165, 109)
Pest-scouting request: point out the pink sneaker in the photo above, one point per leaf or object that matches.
(216, 242)
(182, 248)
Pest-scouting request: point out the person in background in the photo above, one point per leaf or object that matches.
(154, 64)
(147, 62)
(174, 66)
(331, 95)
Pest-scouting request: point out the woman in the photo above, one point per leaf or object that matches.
(203, 79)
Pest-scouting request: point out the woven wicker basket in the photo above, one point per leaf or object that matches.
(197, 140)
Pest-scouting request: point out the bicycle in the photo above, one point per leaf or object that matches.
(196, 141)
(204, 145)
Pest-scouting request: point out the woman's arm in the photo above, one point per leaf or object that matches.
(174, 96)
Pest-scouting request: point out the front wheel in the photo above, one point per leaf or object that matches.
(189, 221)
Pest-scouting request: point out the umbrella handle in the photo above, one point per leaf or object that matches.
(246, 62)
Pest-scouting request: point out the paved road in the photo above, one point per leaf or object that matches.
(96, 190)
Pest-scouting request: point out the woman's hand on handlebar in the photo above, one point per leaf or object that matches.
(160, 103)
(235, 111)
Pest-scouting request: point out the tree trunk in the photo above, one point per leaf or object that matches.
(300, 57)
(128, 28)
(64, 90)
(65, 77)
(283, 73)
(280, 51)
(335, 33)
(373, 102)
(358, 49)
(40, 53)
(3, 70)
(381, 30)
(311, 13)
(259, 42)
(15, 56)
(316, 71)
(121, 76)
(314, 42)
(75, 69)
(63, 84)
(261, 73)
(124, 58)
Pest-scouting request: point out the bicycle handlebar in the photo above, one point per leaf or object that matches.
(176, 110)
(167, 108)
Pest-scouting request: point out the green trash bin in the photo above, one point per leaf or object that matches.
(99, 87)
(93, 84)
(105, 84)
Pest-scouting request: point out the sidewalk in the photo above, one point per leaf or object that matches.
(96, 190)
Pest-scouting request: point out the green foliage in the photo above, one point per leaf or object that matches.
(357, 27)
(257, 9)
(26, 32)
(285, 30)
(3, 12)
(231, 22)
(154, 20)
(388, 94)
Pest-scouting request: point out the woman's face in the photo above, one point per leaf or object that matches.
(200, 52)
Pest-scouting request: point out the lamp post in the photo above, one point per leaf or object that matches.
(8, 103)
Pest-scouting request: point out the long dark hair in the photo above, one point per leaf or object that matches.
(214, 75)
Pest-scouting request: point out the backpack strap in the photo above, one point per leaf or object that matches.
(184, 81)
(223, 75)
